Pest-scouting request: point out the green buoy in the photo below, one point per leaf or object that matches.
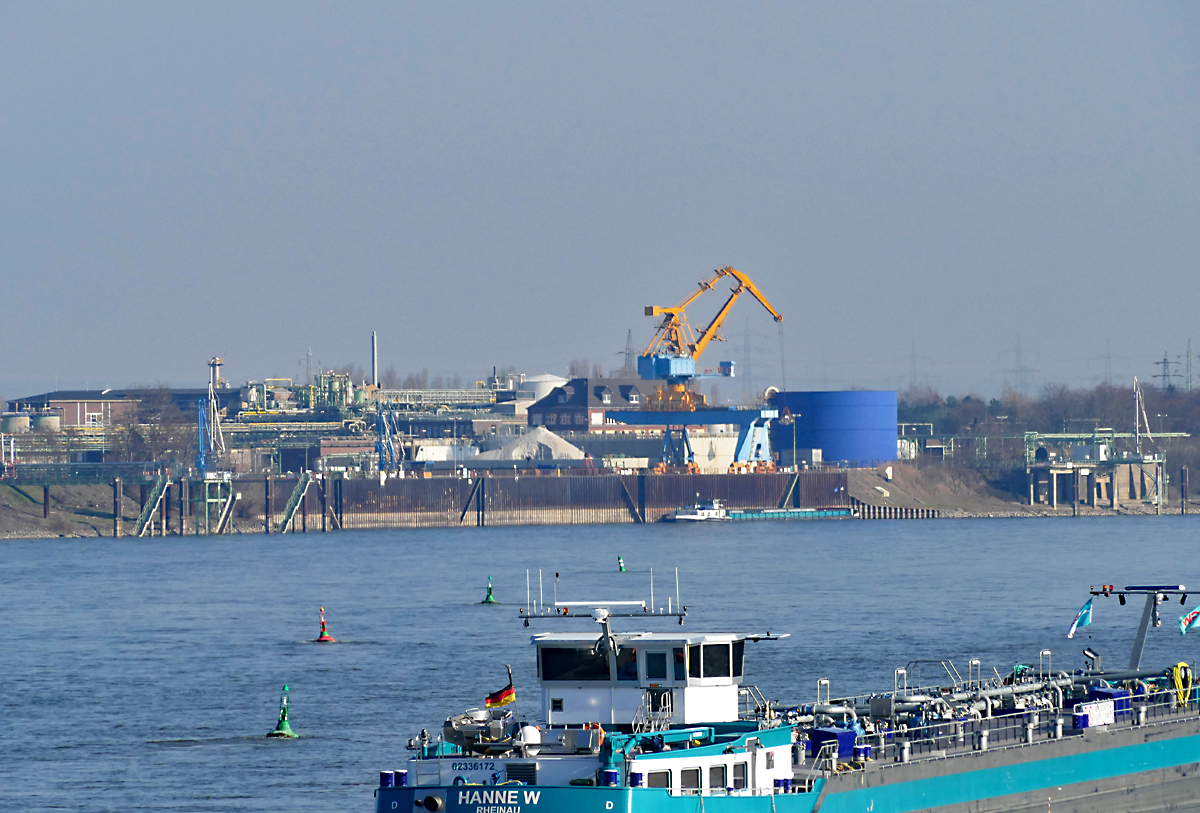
(621, 563)
(282, 729)
(489, 598)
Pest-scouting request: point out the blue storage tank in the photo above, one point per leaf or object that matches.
(856, 426)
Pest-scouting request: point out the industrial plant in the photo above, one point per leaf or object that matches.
(330, 452)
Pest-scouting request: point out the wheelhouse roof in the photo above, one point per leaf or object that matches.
(586, 639)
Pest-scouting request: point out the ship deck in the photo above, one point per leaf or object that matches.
(1012, 730)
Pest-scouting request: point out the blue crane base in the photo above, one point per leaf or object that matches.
(754, 440)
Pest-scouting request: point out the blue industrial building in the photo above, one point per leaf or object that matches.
(857, 426)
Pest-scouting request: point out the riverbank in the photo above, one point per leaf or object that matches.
(86, 510)
(75, 511)
(959, 493)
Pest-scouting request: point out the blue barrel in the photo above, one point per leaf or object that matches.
(637, 780)
(402, 779)
(386, 779)
(787, 785)
(779, 786)
(610, 778)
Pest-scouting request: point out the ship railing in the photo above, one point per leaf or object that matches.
(1026, 727)
(753, 703)
(803, 784)
(1166, 704)
(933, 690)
(946, 736)
(427, 771)
(655, 712)
(913, 668)
(799, 786)
(827, 758)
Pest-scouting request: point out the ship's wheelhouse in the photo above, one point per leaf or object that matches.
(670, 678)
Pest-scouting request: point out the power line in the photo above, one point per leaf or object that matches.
(1020, 369)
(1187, 369)
(782, 366)
(747, 369)
(1166, 375)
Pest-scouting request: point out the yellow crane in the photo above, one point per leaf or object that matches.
(672, 353)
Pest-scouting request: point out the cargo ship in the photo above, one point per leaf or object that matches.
(657, 722)
(714, 511)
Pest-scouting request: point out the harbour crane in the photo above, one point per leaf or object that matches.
(671, 356)
(210, 441)
(390, 459)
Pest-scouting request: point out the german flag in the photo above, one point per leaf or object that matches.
(503, 696)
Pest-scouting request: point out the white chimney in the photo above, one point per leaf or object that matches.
(374, 359)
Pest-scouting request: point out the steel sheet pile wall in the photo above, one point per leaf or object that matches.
(531, 500)
(821, 489)
(407, 503)
(247, 512)
(554, 501)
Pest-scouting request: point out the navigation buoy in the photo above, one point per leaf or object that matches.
(489, 598)
(324, 637)
(621, 563)
(282, 729)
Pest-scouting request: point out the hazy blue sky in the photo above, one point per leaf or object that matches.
(917, 187)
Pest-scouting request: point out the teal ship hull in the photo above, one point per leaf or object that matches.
(792, 513)
(1146, 768)
(1151, 768)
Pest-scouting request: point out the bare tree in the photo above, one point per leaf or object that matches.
(389, 379)
(417, 381)
(355, 371)
(155, 428)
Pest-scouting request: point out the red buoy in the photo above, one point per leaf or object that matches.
(324, 637)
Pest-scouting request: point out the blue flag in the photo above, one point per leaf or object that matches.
(1084, 619)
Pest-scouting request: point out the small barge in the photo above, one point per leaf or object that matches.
(713, 511)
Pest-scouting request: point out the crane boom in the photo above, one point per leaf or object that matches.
(675, 337)
(744, 284)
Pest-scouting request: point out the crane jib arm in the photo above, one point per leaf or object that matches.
(675, 337)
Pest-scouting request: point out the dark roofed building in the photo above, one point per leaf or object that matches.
(81, 407)
(110, 406)
(580, 404)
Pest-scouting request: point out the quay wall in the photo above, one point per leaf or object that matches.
(527, 499)
(154, 503)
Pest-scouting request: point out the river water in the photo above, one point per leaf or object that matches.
(143, 674)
